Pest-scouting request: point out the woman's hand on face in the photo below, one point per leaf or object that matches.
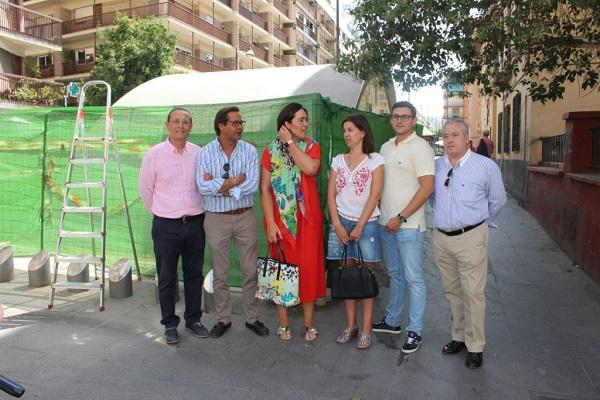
(273, 233)
(356, 233)
(341, 233)
(284, 134)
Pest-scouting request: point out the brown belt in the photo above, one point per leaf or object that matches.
(235, 212)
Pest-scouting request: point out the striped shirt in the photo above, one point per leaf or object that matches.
(212, 159)
(475, 192)
(166, 181)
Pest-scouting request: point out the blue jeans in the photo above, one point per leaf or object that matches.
(403, 257)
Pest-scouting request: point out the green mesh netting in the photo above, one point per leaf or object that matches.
(35, 146)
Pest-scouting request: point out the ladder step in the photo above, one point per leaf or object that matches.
(85, 185)
(83, 209)
(78, 259)
(77, 285)
(78, 234)
(87, 161)
(93, 138)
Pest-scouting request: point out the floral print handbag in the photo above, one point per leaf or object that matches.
(277, 280)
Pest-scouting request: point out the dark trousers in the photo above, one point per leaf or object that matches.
(172, 239)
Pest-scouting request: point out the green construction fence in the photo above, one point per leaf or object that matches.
(35, 146)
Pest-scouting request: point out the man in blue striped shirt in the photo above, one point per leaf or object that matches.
(227, 178)
(469, 194)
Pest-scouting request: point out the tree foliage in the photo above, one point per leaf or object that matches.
(496, 44)
(132, 52)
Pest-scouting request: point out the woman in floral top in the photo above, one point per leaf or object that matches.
(292, 213)
(355, 185)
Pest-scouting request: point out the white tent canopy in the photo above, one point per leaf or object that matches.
(245, 85)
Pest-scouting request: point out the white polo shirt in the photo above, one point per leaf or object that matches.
(404, 164)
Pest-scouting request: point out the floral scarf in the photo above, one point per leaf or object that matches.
(285, 180)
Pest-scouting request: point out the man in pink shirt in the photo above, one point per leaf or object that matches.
(167, 186)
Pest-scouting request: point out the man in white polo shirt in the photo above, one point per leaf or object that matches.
(408, 183)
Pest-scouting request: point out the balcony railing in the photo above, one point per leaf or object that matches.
(73, 68)
(553, 149)
(196, 63)
(311, 55)
(10, 83)
(171, 9)
(257, 19)
(30, 23)
(281, 7)
(281, 35)
(278, 62)
(305, 29)
(259, 52)
(309, 6)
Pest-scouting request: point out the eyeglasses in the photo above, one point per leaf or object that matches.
(236, 123)
(447, 182)
(226, 169)
(403, 117)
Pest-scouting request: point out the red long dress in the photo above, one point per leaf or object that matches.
(306, 249)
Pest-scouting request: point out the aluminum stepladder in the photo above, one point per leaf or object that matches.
(79, 158)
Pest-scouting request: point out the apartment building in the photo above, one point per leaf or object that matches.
(24, 33)
(212, 35)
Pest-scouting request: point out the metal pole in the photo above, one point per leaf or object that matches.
(337, 28)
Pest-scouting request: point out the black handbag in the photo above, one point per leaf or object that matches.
(353, 282)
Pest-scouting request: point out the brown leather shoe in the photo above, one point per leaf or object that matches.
(474, 360)
(453, 347)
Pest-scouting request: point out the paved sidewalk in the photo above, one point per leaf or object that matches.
(543, 341)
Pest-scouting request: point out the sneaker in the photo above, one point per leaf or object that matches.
(385, 328)
(197, 329)
(413, 342)
(171, 336)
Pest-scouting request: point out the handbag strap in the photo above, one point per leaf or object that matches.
(345, 254)
(281, 255)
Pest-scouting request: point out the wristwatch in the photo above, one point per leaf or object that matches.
(402, 218)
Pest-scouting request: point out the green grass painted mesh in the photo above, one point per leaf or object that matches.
(35, 146)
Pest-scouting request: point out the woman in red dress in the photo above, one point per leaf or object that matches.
(292, 211)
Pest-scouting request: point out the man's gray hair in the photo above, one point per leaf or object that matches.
(464, 127)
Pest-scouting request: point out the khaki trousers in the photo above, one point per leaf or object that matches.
(220, 229)
(462, 261)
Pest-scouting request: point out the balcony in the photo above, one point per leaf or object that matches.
(281, 35)
(278, 62)
(11, 84)
(281, 7)
(25, 32)
(197, 64)
(305, 29)
(226, 2)
(309, 6)
(307, 53)
(73, 68)
(171, 9)
(253, 17)
(259, 52)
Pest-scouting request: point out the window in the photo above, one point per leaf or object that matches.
(455, 112)
(516, 123)
(506, 132)
(45, 61)
(84, 56)
(499, 133)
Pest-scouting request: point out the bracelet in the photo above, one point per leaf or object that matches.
(289, 142)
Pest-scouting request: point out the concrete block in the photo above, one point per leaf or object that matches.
(119, 281)
(78, 272)
(7, 266)
(39, 269)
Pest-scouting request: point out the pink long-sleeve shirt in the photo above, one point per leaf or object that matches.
(167, 181)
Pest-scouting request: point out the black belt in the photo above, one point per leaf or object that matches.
(460, 231)
(185, 218)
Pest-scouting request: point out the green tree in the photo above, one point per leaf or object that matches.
(496, 44)
(132, 52)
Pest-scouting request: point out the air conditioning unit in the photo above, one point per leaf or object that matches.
(288, 25)
(289, 52)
